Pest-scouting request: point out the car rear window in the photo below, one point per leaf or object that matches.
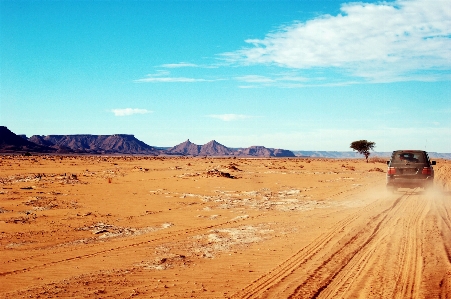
(406, 156)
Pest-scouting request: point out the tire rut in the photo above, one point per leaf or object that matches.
(340, 263)
(302, 257)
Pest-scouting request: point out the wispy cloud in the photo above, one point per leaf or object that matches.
(170, 79)
(178, 65)
(129, 111)
(165, 76)
(230, 117)
(280, 80)
(384, 42)
(189, 65)
(255, 79)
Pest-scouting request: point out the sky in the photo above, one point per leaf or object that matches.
(297, 75)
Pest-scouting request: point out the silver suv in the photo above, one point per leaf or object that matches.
(410, 169)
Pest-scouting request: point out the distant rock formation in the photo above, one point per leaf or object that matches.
(212, 149)
(41, 140)
(123, 144)
(186, 148)
(10, 143)
(97, 144)
(282, 153)
(215, 149)
(261, 151)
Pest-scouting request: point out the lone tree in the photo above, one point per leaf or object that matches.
(363, 147)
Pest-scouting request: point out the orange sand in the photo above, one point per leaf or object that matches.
(122, 227)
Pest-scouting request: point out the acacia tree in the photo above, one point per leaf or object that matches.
(363, 147)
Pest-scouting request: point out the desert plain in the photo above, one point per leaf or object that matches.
(177, 227)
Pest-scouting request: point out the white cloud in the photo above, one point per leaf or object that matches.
(164, 76)
(255, 79)
(129, 111)
(285, 80)
(169, 79)
(181, 64)
(380, 42)
(229, 117)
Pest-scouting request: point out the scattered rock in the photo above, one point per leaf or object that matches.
(218, 173)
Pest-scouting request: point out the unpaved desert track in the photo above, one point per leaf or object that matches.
(397, 247)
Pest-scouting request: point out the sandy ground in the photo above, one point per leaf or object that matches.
(123, 227)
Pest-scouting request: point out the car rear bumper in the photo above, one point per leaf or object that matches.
(403, 182)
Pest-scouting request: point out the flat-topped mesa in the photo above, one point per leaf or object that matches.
(97, 144)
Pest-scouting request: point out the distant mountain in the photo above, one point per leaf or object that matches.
(128, 144)
(261, 151)
(282, 153)
(186, 148)
(214, 148)
(10, 142)
(97, 144)
(41, 140)
(435, 155)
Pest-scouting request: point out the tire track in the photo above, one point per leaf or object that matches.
(409, 255)
(368, 274)
(409, 279)
(443, 221)
(303, 258)
(444, 213)
(337, 271)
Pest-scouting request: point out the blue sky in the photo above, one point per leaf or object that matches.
(298, 75)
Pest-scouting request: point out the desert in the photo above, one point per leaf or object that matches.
(225, 149)
(90, 226)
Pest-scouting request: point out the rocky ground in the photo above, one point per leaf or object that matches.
(154, 227)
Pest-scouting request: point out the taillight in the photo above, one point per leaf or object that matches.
(427, 171)
(391, 171)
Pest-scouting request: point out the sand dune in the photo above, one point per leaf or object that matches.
(154, 227)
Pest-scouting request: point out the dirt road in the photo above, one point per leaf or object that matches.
(398, 246)
(180, 228)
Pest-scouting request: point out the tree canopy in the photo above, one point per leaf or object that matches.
(363, 147)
